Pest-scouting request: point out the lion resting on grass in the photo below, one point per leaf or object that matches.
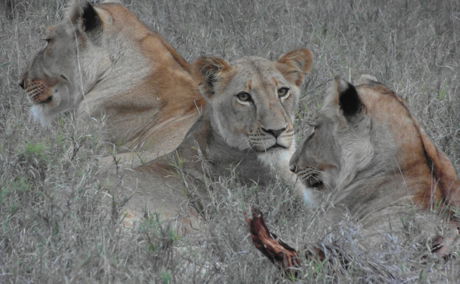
(372, 162)
(103, 62)
(246, 128)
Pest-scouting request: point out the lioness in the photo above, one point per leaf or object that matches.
(103, 62)
(372, 161)
(246, 128)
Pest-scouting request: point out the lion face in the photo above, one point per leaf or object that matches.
(339, 143)
(50, 80)
(318, 154)
(367, 133)
(252, 101)
(56, 78)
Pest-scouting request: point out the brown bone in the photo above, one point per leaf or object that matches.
(280, 253)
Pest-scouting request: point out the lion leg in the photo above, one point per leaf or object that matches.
(128, 160)
(141, 195)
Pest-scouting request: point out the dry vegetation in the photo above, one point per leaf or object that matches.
(59, 222)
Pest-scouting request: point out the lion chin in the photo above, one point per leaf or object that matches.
(269, 148)
(38, 115)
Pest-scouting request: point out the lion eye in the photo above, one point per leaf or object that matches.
(311, 133)
(244, 97)
(314, 126)
(283, 92)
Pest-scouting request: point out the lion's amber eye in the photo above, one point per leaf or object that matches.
(244, 96)
(283, 92)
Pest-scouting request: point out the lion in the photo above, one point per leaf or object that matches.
(246, 128)
(103, 62)
(370, 159)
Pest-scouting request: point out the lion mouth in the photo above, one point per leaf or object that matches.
(311, 177)
(276, 146)
(268, 143)
(273, 148)
(268, 146)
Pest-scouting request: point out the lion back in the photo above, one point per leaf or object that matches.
(443, 170)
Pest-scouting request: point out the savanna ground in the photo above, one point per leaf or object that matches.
(59, 222)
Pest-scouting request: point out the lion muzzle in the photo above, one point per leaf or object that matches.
(38, 91)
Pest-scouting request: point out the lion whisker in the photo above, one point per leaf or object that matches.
(35, 93)
(32, 88)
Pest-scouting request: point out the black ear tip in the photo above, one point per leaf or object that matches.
(91, 19)
(349, 100)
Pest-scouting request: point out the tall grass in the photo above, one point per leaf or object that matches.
(59, 221)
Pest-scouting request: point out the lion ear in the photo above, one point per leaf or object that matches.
(348, 98)
(208, 70)
(83, 15)
(295, 64)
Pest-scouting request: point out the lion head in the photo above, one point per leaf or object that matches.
(373, 162)
(366, 133)
(69, 63)
(104, 63)
(252, 101)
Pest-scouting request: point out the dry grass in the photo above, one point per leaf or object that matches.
(58, 222)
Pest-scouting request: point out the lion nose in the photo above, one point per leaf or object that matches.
(293, 168)
(274, 132)
(22, 83)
